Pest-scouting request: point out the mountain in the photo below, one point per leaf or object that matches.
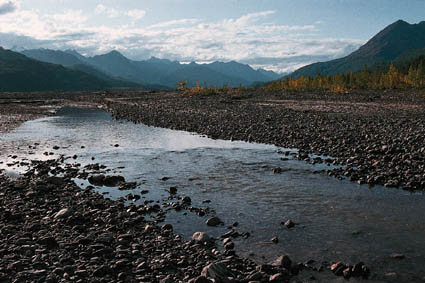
(75, 61)
(51, 56)
(168, 73)
(239, 71)
(20, 73)
(392, 42)
(193, 73)
(159, 73)
(270, 74)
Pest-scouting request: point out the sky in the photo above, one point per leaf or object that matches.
(278, 35)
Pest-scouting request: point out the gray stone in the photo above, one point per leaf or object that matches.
(201, 237)
(63, 213)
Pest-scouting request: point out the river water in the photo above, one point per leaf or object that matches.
(336, 220)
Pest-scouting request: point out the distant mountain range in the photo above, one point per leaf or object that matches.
(154, 73)
(20, 73)
(396, 43)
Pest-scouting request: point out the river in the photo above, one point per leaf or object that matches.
(337, 220)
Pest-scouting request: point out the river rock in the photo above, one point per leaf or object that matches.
(63, 213)
(96, 180)
(219, 272)
(229, 246)
(283, 261)
(172, 190)
(213, 221)
(186, 200)
(112, 181)
(201, 237)
(278, 277)
(398, 256)
(288, 223)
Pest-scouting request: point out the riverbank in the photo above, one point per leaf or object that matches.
(376, 136)
(54, 231)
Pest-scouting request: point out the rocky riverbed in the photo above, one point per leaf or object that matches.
(53, 231)
(377, 136)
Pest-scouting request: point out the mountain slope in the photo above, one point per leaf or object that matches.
(238, 70)
(52, 56)
(20, 73)
(386, 46)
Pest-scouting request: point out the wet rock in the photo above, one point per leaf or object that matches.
(283, 261)
(112, 181)
(278, 277)
(201, 237)
(347, 272)
(167, 227)
(391, 275)
(338, 268)
(172, 190)
(96, 180)
(288, 223)
(229, 246)
(213, 221)
(398, 256)
(186, 200)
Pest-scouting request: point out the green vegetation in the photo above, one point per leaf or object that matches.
(405, 76)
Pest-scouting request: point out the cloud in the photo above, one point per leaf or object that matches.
(8, 6)
(109, 12)
(174, 23)
(250, 39)
(71, 16)
(136, 14)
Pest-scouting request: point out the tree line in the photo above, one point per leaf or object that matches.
(406, 76)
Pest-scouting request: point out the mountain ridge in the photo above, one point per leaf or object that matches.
(384, 47)
(20, 73)
(157, 71)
